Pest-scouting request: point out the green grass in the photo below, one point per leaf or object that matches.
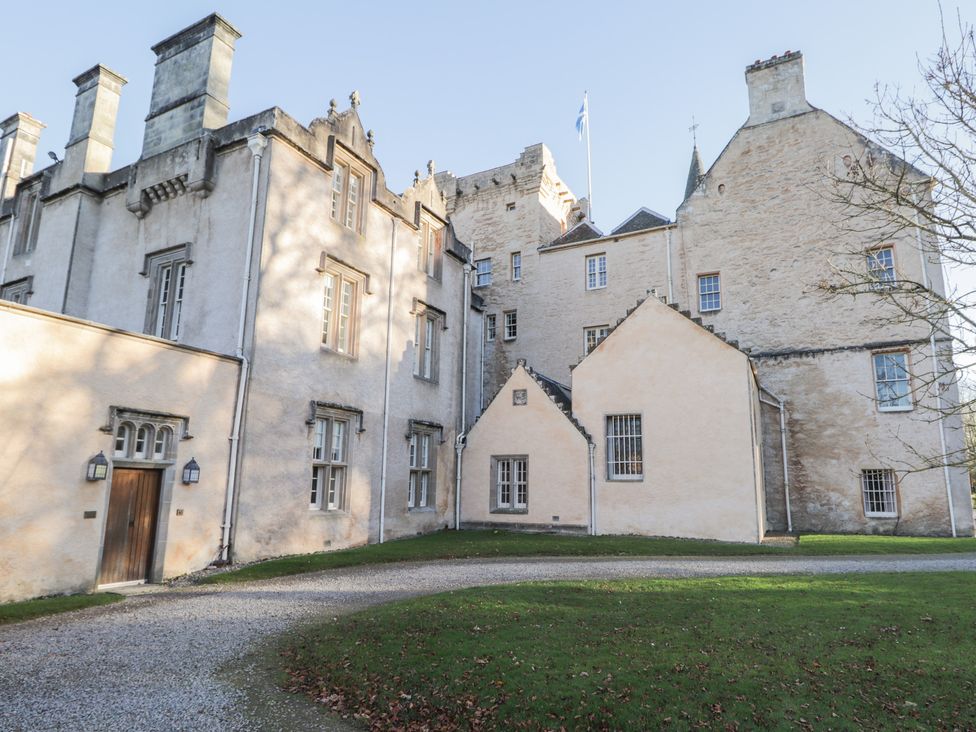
(879, 651)
(471, 544)
(15, 612)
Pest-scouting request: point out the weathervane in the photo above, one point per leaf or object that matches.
(694, 131)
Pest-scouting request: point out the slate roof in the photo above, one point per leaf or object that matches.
(583, 231)
(642, 218)
(695, 173)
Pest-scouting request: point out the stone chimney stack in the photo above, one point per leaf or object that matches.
(18, 148)
(776, 88)
(190, 87)
(89, 148)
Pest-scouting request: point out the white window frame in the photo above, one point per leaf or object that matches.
(709, 292)
(625, 447)
(879, 493)
(348, 191)
(430, 248)
(330, 461)
(427, 338)
(482, 272)
(593, 336)
(881, 267)
(342, 291)
(596, 271)
(422, 452)
(510, 325)
(167, 271)
(509, 484)
(887, 393)
(491, 327)
(516, 260)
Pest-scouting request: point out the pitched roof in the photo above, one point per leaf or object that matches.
(581, 232)
(642, 218)
(695, 173)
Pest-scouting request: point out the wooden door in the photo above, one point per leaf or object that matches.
(130, 528)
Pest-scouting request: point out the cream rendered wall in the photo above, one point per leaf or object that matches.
(291, 369)
(695, 396)
(558, 459)
(58, 378)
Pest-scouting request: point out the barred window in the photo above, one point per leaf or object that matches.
(421, 487)
(625, 449)
(879, 490)
(881, 267)
(511, 483)
(329, 464)
(596, 271)
(891, 381)
(593, 335)
(709, 293)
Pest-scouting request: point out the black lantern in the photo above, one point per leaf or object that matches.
(191, 472)
(98, 467)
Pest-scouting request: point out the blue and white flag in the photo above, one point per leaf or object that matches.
(583, 119)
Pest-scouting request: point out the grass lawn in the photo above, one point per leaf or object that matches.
(878, 651)
(469, 544)
(15, 612)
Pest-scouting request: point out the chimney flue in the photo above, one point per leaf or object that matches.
(89, 148)
(18, 148)
(776, 88)
(190, 87)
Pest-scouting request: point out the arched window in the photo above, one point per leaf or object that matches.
(122, 439)
(143, 439)
(161, 443)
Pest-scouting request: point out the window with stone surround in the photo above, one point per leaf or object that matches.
(430, 248)
(881, 267)
(482, 272)
(510, 484)
(28, 220)
(18, 291)
(511, 325)
(593, 335)
(880, 493)
(330, 462)
(349, 189)
(427, 337)
(145, 436)
(709, 292)
(167, 272)
(892, 381)
(516, 266)
(422, 447)
(596, 271)
(342, 291)
(490, 327)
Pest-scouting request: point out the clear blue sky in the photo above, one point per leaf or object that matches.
(471, 84)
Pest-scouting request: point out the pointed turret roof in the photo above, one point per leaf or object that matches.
(695, 173)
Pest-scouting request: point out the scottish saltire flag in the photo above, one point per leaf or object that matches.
(583, 119)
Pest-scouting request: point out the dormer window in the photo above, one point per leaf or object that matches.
(348, 189)
(430, 248)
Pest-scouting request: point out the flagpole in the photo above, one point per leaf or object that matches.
(589, 179)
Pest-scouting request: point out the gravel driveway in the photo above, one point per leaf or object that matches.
(183, 659)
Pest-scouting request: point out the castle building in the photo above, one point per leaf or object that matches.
(244, 345)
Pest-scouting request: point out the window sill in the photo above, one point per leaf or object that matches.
(328, 349)
(509, 510)
(509, 340)
(626, 479)
(421, 509)
(896, 409)
(328, 512)
(889, 516)
(478, 287)
(432, 382)
(594, 289)
(710, 311)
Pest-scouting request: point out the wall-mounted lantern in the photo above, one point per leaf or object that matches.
(191, 472)
(98, 467)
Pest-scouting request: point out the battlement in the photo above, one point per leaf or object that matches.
(774, 60)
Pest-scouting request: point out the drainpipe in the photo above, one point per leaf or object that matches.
(781, 405)
(6, 253)
(256, 143)
(670, 281)
(938, 385)
(481, 368)
(592, 449)
(462, 434)
(386, 377)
